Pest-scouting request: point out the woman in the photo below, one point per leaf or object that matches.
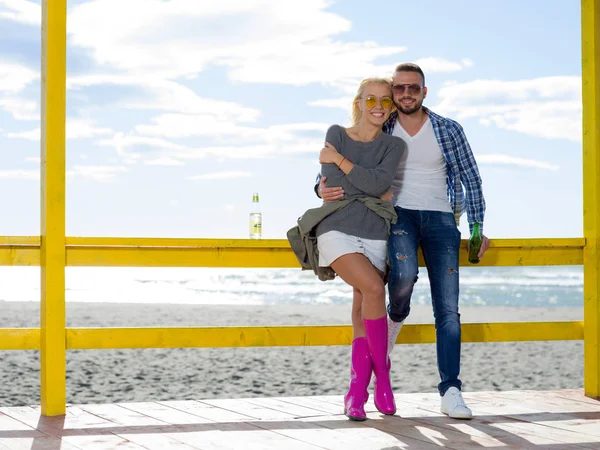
(352, 240)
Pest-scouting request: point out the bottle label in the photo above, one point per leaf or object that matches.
(255, 225)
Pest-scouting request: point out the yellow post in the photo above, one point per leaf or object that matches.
(52, 252)
(590, 48)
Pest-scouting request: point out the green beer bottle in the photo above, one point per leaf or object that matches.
(475, 244)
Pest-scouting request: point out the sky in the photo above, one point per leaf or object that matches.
(177, 111)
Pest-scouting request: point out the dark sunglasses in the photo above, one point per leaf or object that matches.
(413, 89)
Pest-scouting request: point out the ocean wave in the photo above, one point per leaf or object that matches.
(518, 286)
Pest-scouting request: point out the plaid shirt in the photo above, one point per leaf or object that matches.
(461, 167)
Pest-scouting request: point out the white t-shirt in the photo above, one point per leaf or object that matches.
(420, 181)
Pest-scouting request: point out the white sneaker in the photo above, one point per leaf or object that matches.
(393, 331)
(454, 406)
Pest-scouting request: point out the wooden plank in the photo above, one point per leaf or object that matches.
(208, 412)
(293, 410)
(325, 408)
(511, 422)
(14, 433)
(348, 432)
(339, 433)
(41, 443)
(235, 435)
(164, 413)
(509, 415)
(514, 419)
(576, 395)
(77, 419)
(100, 441)
(123, 416)
(398, 425)
(156, 441)
(31, 416)
(249, 408)
(9, 424)
(152, 439)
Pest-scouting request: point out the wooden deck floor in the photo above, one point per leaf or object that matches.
(518, 419)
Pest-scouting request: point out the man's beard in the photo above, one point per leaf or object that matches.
(410, 109)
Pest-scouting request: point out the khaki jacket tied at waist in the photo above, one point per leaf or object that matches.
(303, 240)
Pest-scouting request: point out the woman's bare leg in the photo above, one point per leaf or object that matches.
(358, 327)
(357, 271)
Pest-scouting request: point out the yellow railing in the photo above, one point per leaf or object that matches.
(53, 250)
(265, 253)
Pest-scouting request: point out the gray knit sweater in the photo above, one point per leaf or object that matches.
(375, 164)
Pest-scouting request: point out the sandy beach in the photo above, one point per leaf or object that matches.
(99, 376)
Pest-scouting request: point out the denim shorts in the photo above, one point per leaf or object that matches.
(334, 244)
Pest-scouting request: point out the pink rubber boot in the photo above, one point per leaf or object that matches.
(377, 337)
(360, 377)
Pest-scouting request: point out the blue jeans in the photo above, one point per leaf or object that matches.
(439, 238)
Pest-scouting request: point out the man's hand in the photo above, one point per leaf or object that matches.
(329, 194)
(388, 196)
(485, 244)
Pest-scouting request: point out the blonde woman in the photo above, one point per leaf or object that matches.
(353, 240)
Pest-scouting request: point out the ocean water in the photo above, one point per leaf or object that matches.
(551, 286)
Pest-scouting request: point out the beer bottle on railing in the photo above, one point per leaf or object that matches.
(255, 218)
(475, 243)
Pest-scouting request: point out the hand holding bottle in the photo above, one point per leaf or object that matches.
(477, 245)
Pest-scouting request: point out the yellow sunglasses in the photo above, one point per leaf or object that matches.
(385, 102)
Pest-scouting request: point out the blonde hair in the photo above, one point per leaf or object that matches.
(356, 112)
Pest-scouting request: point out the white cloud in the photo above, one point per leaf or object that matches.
(168, 96)
(548, 107)
(30, 135)
(512, 161)
(344, 103)
(435, 64)
(220, 175)
(84, 128)
(15, 77)
(20, 108)
(96, 173)
(228, 140)
(22, 11)
(157, 151)
(20, 174)
(186, 125)
(75, 129)
(33, 159)
(163, 162)
(259, 41)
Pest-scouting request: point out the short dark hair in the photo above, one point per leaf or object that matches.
(410, 67)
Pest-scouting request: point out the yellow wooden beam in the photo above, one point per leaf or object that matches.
(111, 338)
(19, 338)
(272, 253)
(52, 249)
(590, 48)
(205, 337)
(123, 252)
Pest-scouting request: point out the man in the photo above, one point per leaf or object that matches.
(429, 199)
